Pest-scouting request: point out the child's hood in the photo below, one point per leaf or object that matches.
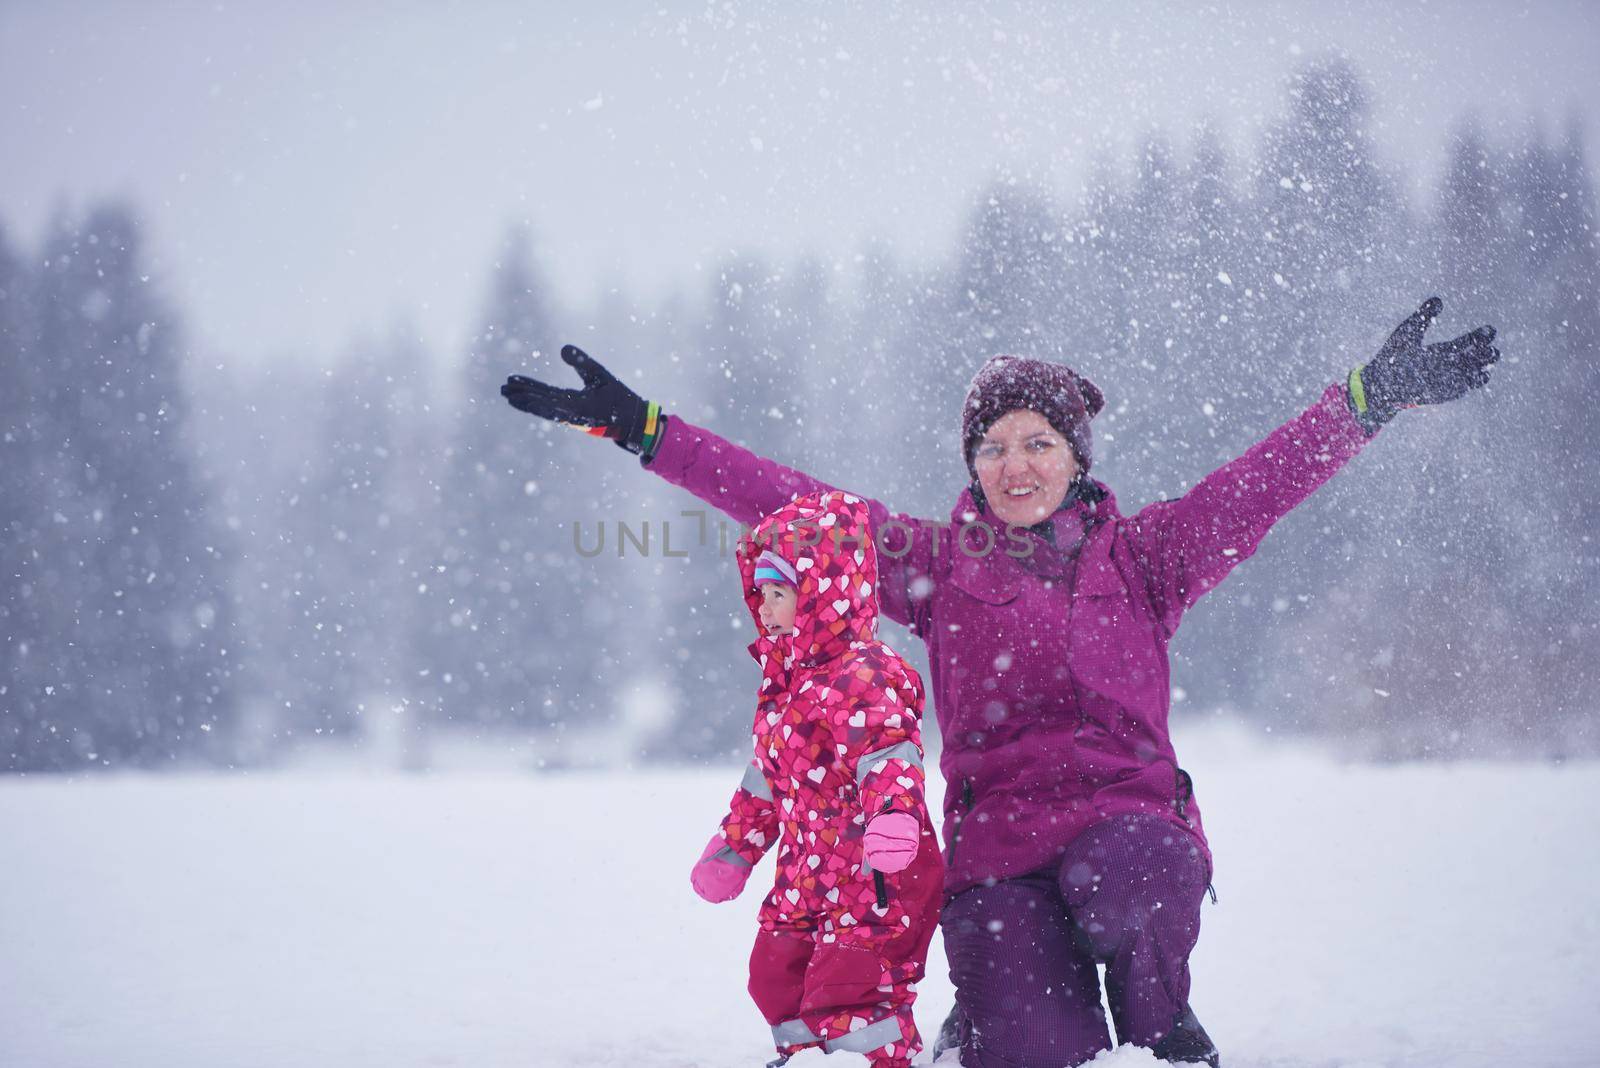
(827, 537)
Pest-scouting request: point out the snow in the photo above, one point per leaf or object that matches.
(1413, 914)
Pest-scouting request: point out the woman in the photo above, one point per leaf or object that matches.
(1072, 836)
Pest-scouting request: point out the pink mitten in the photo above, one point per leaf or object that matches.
(719, 878)
(891, 841)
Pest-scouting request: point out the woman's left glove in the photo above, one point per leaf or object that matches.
(891, 841)
(1405, 372)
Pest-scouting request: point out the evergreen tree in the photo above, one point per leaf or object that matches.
(508, 617)
(30, 474)
(140, 671)
(364, 553)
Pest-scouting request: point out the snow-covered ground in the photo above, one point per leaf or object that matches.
(1408, 915)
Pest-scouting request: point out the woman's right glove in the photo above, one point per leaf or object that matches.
(604, 407)
(891, 841)
(1406, 373)
(720, 873)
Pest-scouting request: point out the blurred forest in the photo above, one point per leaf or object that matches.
(206, 563)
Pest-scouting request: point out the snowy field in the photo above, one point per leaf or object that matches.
(1408, 915)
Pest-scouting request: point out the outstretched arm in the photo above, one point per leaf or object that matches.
(1187, 546)
(731, 479)
(746, 487)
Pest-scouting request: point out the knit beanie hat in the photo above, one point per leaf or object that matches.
(1007, 383)
(770, 567)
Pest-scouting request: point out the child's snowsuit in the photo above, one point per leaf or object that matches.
(837, 741)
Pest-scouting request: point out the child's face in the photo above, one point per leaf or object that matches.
(777, 608)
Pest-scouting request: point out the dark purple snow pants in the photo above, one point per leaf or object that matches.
(1126, 894)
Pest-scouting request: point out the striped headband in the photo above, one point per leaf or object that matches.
(770, 567)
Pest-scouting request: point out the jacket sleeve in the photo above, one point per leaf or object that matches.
(751, 825)
(879, 740)
(746, 487)
(1185, 547)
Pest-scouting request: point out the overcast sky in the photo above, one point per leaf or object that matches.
(310, 170)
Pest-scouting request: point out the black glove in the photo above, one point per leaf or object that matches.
(604, 407)
(1405, 373)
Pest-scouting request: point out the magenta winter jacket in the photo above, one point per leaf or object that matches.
(1050, 670)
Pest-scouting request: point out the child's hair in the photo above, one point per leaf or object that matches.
(770, 567)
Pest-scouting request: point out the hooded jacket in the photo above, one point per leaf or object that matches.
(837, 731)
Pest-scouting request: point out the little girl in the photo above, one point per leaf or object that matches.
(837, 777)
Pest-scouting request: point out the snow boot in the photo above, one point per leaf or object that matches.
(1187, 1043)
(949, 1033)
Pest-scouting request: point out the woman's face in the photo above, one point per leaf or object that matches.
(777, 608)
(1025, 467)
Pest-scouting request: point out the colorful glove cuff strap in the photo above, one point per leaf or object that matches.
(1358, 392)
(654, 424)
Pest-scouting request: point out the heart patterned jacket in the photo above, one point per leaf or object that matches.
(837, 728)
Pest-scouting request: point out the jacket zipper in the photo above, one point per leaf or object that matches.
(879, 885)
